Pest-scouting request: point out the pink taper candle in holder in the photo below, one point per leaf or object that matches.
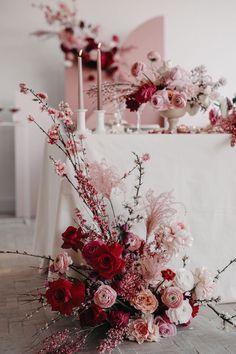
(100, 113)
(81, 126)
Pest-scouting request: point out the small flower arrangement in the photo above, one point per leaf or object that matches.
(75, 34)
(166, 87)
(223, 118)
(125, 284)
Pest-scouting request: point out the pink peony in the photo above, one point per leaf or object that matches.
(172, 297)
(166, 329)
(145, 93)
(118, 318)
(204, 284)
(61, 263)
(179, 100)
(53, 134)
(138, 68)
(143, 329)
(160, 100)
(132, 241)
(60, 168)
(145, 301)
(105, 297)
(177, 238)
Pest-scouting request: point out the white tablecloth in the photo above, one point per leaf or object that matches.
(201, 171)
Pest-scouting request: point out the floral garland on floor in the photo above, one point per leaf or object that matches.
(125, 284)
(75, 34)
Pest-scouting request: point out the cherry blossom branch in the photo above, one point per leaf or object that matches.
(219, 272)
(225, 317)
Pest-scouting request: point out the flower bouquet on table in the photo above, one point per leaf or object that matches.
(75, 34)
(125, 283)
(172, 90)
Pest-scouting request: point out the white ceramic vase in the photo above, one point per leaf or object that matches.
(173, 115)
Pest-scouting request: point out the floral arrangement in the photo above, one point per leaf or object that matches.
(165, 87)
(125, 283)
(75, 34)
(223, 118)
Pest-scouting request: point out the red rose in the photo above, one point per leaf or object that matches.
(118, 319)
(132, 104)
(168, 274)
(145, 93)
(195, 309)
(72, 238)
(93, 316)
(89, 249)
(106, 260)
(63, 295)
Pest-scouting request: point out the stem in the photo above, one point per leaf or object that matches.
(224, 269)
(222, 316)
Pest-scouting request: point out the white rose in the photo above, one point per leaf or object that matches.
(184, 279)
(181, 314)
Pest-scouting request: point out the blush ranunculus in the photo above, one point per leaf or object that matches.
(168, 274)
(72, 238)
(143, 329)
(93, 316)
(63, 295)
(61, 263)
(166, 329)
(118, 319)
(107, 260)
(145, 301)
(105, 297)
(172, 297)
(180, 315)
(160, 100)
(145, 93)
(179, 100)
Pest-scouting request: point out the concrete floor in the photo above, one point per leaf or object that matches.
(18, 275)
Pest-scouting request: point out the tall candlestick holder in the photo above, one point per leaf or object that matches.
(81, 121)
(100, 122)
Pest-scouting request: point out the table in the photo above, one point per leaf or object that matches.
(201, 171)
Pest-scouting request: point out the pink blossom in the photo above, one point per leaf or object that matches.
(30, 118)
(179, 100)
(161, 100)
(172, 297)
(42, 95)
(138, 68)
(154, 56)
(143, 329)
(61, 263)
(146, 157)
(60, 168)
(53, 134)
(23, 88)
(73, 146)
(166, 329)
(104, 178)
(105, 297)
(52, 111)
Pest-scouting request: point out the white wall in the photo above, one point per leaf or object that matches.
(196, 32)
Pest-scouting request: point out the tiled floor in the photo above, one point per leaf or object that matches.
(17, 276)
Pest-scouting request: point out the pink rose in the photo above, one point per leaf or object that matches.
(145, 93)
(179, 100)
(61, 263)
(105, 297)
(138, 68)
(132, 241)
(166, 329)
(172, 297)
(143, 329)
(145, 301)
(161, 100)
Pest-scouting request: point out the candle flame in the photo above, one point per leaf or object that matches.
(99, 45)
(80, 52)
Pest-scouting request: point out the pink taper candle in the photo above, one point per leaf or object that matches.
(80, 81)
(99, 78)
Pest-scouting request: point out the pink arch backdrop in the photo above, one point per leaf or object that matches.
(148, 36)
